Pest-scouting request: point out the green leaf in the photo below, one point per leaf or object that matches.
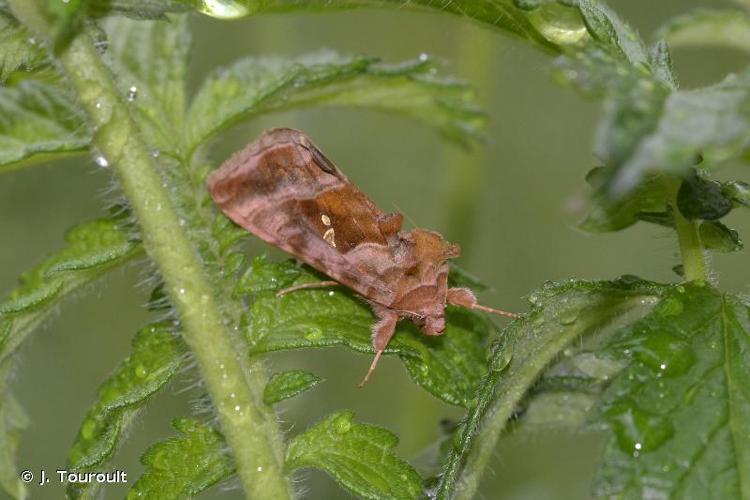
(38, 117)
(263, 275)
(183, 466)
(560, 315)
(738, 192)
(285, 385)
(139, 9)
(549, 25)
(155, 358)
(358, 456)
(64, 18)
(13, 421)
(708, 27)
(649, 196)
(91, 249)
(18, 49)
(262, 85)
(716, 236)
(150, 61)
(661, 64)
(709, 122)
(612, 32)
(448, 366)
(680, 413)
(649, 125)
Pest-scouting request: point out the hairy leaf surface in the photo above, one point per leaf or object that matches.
(156, 356)
(18, 49)
(150, 59)
(262, 85)
(38, 117)
(358, 456)
(560, 315)
(285, 385)
(183, 466)
(92, 248)
(680, 413)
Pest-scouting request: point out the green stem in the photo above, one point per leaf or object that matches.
(234, 383)
(691, 247)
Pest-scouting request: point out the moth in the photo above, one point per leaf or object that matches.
(285, 191)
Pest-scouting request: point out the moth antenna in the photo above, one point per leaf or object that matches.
(500, 312)
(464, 297)
(372, 369)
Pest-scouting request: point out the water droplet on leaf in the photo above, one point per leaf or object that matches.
(132, 93)
(343, 425)
(224, 9)
(314, 334)
(568, 317)
(101, 161)
(638, 430)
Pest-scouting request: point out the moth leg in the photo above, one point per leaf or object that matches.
(306, 286)
(465, 298)
(382, 332)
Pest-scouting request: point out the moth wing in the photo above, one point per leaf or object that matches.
(285, 191)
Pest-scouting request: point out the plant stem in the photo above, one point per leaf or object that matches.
(691, 247)
(234, 384)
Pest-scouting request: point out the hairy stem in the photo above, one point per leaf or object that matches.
(234, 384)
(691, 247)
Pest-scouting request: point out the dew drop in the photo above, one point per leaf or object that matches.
(314, 334)
(181, 290)
(155, 153)
(132, 93)
(501, 362)
(183, 222)
(671, 306)
(259, 469)
(423, 57)
(331, 293)
(237, 408)
(568, 317)
(141, 371)
(637, 429)
(343, 425)
(224, 9)
(101, 161)
(32, 40)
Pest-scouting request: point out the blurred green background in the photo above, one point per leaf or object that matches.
(512, 203)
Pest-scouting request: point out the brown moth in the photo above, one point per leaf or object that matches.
(283, 190)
